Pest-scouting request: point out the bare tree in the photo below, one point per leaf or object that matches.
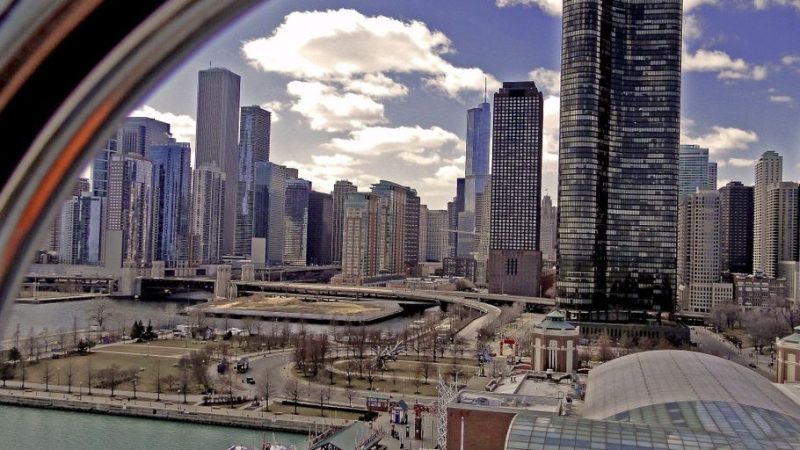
(89, 375)
(7, 369)
(157, 382)
(418, 378)
(603, 347)
(350, 394)
(323, 396)
(100, 311)
(47, 375)
(459, 346)
(266, 388)
(23, 365)
(293, 390)
(111, 377)
(349, 367)
(426, 369)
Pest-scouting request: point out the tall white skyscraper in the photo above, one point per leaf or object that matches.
(340, 190)
(130, 209)
(769, 170)
(217, 139)
(781, 233)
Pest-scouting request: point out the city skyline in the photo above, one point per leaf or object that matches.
(387, 106)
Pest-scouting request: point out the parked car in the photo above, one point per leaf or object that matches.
(251, 380)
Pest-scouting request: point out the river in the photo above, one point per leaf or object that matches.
(34, 428)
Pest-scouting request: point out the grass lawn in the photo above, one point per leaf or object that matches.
(144, 349)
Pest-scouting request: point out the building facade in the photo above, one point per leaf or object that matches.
(360, 236)
(320, 229)
(172, 177)
(254, 141)
(130, 209)
(80, 231)
(208, 198)
(137, 134)
(295, 220)
(618, 157)
(217, 139)
(394, 206)
(340, 190)
(736, 228)
(549, 230)
(514, 258)
(694, 170)
(436, 248)
(757, 290)
(278, 178)
(768, 171)
(781, 233)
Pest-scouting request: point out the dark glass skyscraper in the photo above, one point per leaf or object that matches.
(515, 262)
(618, 155)
(172, 177)
(736, 228)
(320, 228)
(254, 133)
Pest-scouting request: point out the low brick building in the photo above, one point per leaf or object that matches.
(788, 356)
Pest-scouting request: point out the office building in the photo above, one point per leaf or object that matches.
(262, 173)
(217, 139)
(422, 247)
(137, 134)
(320, 229)
(549, 230)
(736, 228)
(699, 286)
(514, 258)
(712, 175)
(394, 222)
(790, 272)
(172, 177)
(254, 135)
(80, 230)
(452, 227)
(437, 247)
(694, 170)
(756, 290)
(208, 200)
(411, 254)
(768, 171)
(295, 220)
(781, 232)
(483, 211)
(278, 178)
(360, 236)
(476, 167)
(100, 166)
(618, 158)
(340, 190)
(130, 208)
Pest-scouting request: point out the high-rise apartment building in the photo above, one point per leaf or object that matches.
(699, 287)
(768, 171)
(422, 244)
(694, 170)
(483, 211)
(781, 233)
(411, 240)
(172, 177)
(514, 259)
(340, 190)
(295, 222)
(278, 178)
(137, 134)
(712, 175)
(437, 247)
(360, 236)
(80, 230)
(217, 139)
(549, 229)
(395, 220)
(100, 166)
(208, 198)
(254, 134)
(130, 208)
(320, 229)
(736, 228)
(262, 174)
(618, 156)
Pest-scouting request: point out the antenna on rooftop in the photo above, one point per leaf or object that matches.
(484, 89)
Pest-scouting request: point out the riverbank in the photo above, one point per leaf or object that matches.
(165, 410)
(58, 298)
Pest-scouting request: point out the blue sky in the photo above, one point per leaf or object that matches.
(379, 88)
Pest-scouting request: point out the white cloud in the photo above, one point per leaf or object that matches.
(183, 127)
(764, 4)
(780, 99)
(742, 162)
(727, 68)
(550, 127)
(553, 7)
(422, 142)
(445, 177)
(325, 170)
(691, 27)
(719, 140)
(329, 110)
(337, 45)
(418, 159)
(790, 59)
(547, 80)
(274, 107)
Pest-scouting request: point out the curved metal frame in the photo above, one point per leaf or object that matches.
(109, 86)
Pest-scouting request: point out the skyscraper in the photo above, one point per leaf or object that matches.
(137, 134)
(340, 190)
(483, 211)
(80, 230)
(411, 240)
(693, 170)
(736, 228)
(254, 134)
(295, 220)
(476, 168)
(394, 222)
(618, 156)
(130, 209)
(217, 136)
(172, 177)
(549, 230)
(360, 236)
(208, 197)
(278, 177)
(320, 229)
(515, 262)
(769, 170)
(436, 242)
(781, 233)
(100, 166)
(712, 175)
(422, 244)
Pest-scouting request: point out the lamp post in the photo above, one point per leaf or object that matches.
(80, 390)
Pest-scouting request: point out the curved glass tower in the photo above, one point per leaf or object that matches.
(618, 156)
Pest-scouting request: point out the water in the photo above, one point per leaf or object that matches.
(35, 428)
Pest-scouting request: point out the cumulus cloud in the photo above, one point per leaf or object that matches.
(547, 80)
(445, 177)
(764, 4)
(182, 126)
(727, 68)
(329, 110)
(422, 143)
(325, 170)
(344, 45)
(790, 60)
(741, 162)
(719, 140)
(274, 107)
(550, 127)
